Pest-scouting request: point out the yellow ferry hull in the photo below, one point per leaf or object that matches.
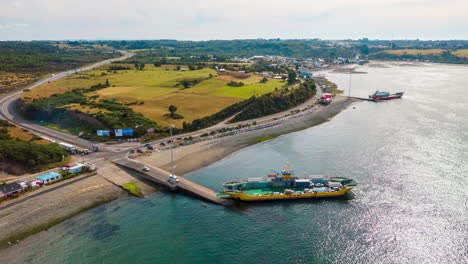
(250, 198)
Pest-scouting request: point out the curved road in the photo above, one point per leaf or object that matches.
(8, 112)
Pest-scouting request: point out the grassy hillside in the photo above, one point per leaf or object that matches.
(151, 91)
(21, 151)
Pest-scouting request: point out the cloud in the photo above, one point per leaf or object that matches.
(12, 26)
(222, 19)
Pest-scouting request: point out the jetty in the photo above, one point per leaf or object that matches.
(161, 177)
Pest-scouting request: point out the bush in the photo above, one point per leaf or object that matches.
(235, 84)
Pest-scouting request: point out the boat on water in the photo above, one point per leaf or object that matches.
(385, 95)
(286, 185)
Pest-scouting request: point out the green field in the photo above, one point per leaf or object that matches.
(154, 89)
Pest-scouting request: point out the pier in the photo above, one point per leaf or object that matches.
(161, 177)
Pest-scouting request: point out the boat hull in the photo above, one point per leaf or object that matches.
(376, 96)
(387, 98)
(241, 196)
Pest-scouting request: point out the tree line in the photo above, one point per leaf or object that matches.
(32, 156)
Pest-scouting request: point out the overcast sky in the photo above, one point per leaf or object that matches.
(232, 19)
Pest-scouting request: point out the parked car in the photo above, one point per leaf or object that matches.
(162, 144)
(139, 150)
(145, 169)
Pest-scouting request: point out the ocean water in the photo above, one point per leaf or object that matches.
(409, 156)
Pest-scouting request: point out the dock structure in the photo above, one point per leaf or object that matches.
(161, 177)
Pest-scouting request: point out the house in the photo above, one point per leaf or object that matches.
(306, 75)
(49, 177)
(10, 189)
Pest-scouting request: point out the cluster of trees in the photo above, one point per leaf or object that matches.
(254, 107)
(223, 49)
(115, 67)
(187, 83)
(33, 156)
(39, 57)
(217, 117)
(444, 57)
(139, 66)
(277, 101)
(235, 84)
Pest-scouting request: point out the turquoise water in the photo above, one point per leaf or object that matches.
(409, 157)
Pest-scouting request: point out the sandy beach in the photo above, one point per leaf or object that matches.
(199, 155)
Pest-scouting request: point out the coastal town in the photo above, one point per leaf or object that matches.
(212, 132)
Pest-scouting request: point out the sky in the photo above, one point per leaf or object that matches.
(232, 19)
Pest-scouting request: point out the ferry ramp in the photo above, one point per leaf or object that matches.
(161, 177)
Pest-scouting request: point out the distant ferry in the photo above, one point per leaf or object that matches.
(285, 185)
(385, 95)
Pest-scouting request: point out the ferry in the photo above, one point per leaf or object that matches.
(286, 185)
(385, 96)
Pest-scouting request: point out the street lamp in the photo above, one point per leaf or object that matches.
(172, 154)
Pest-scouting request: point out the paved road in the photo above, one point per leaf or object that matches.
(162, 177)
(7, 104)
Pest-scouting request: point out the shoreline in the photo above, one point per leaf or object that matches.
(188, 158)
(193, 157)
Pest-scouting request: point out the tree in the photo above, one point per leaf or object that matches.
(191, 67)
(291, 77)
(142, 66)
(178, 68)
(186, 84)
(172, 109)
(157, 64)
(107, 83)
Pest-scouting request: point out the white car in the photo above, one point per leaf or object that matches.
(145, 169)
(173, 179)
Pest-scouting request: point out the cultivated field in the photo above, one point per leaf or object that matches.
(152, 90)
(461, 53)
(414, 52)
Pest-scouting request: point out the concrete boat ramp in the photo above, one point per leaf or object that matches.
(161, 177)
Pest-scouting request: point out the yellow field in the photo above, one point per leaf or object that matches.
(414, 51)
(156, 88)
(190, 106)
(17, 132)
(461, 53)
